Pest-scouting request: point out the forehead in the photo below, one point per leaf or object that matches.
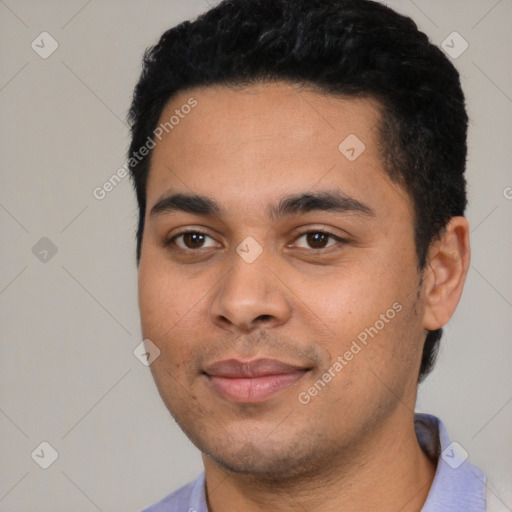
(278, 115)
(246, 144)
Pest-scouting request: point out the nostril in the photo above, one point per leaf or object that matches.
(264, 318)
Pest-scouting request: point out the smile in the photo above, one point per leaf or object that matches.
(254, 381)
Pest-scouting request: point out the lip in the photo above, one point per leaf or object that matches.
(252, 381)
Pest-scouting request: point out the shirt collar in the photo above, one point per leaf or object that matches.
(457, 485)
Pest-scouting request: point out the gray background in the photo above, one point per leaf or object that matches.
(69, 325)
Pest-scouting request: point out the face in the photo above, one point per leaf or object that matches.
(278, 277)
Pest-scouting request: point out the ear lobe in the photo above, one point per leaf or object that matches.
(447, 267)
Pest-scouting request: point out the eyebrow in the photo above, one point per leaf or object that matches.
(293, 204)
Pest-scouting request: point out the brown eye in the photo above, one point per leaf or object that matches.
(318, 240)
(192, 240)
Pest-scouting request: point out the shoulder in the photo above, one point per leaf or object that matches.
(189, 498)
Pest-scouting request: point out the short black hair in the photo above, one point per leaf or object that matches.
(351, 48)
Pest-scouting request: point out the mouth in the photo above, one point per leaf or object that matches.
(253, 381)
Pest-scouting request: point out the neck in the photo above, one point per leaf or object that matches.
(386, 471)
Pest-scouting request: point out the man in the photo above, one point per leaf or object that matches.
(299, 170)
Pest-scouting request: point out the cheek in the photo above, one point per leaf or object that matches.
(350, 301)
(165, 305)
(371, 322)
(164, 299)
(173, 311)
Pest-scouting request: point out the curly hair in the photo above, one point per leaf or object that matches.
(352, 48)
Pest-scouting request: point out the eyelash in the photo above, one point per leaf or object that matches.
(171, 241)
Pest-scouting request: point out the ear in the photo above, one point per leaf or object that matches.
(445, 273)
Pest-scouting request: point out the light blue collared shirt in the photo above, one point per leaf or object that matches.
(458, 485)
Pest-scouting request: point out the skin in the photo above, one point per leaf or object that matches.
(353, 446)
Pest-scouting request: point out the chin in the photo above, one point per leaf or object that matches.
(250, 461)
(265, 460)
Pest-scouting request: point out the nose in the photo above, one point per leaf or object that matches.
(250, 296)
